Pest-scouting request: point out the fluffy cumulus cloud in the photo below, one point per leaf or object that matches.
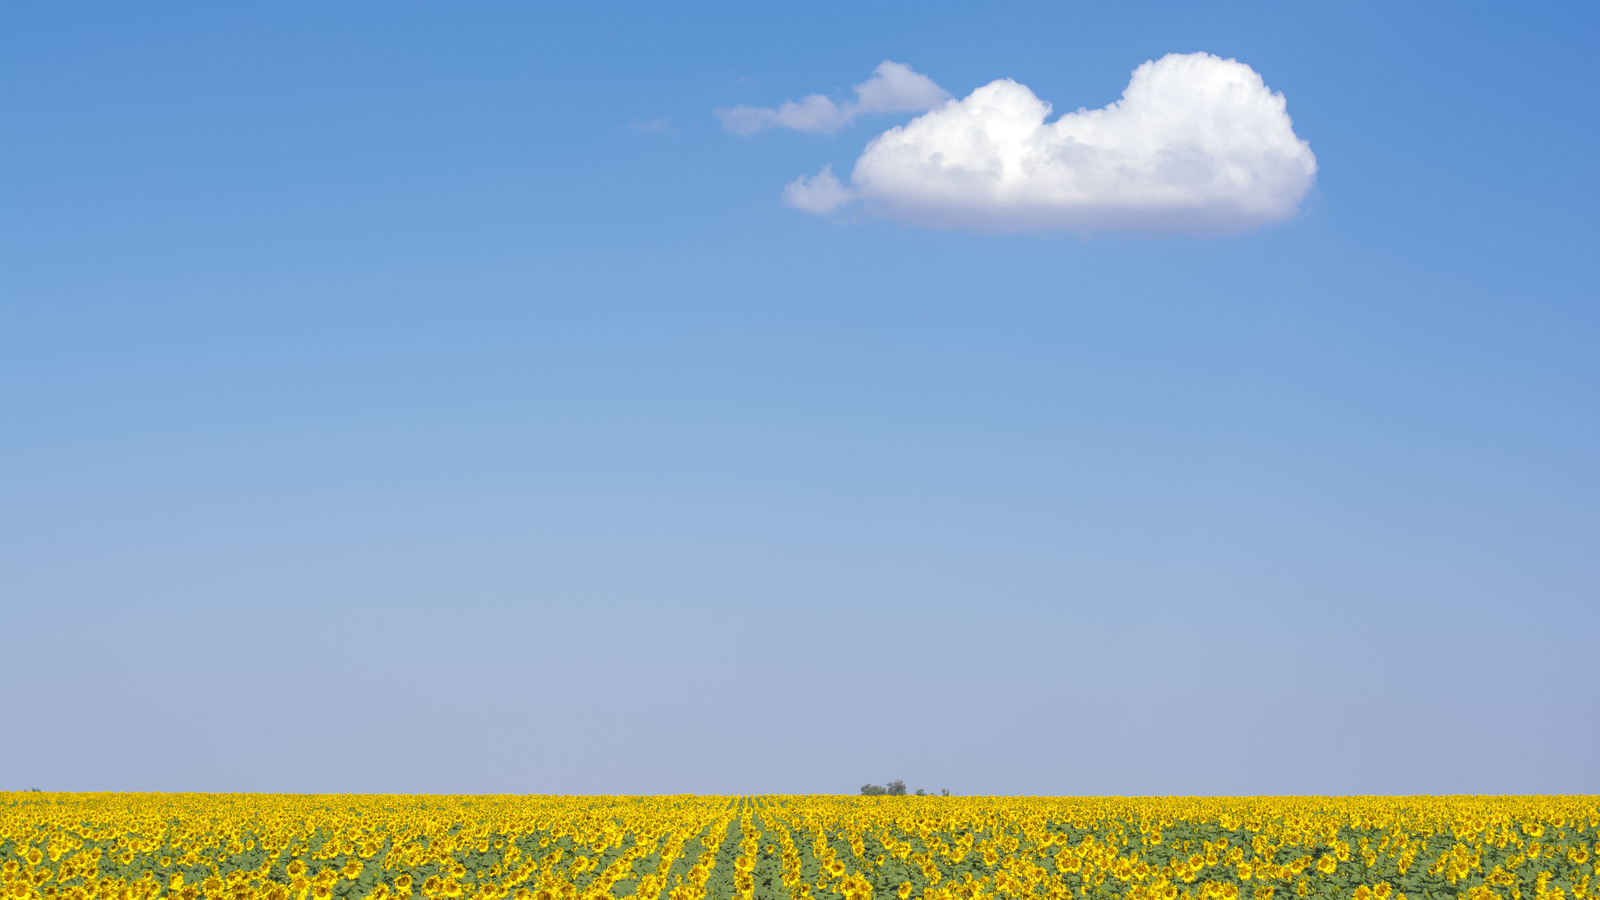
(1196, 143)
(893, 88)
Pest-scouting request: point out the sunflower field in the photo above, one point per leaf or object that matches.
(393, 847)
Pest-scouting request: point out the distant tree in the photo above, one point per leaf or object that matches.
(897, 788)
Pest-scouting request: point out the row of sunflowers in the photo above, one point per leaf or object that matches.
(396, 847)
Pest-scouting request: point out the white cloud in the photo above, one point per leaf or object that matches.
(1197, 143)
(893, 87)
(821, 193)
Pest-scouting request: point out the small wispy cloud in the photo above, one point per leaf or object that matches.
(819, 193)
(893, 87)
(1196, 143)
(653, 126)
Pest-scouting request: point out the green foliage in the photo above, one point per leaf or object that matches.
(896, 788)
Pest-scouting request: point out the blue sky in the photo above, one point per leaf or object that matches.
(415, 397)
